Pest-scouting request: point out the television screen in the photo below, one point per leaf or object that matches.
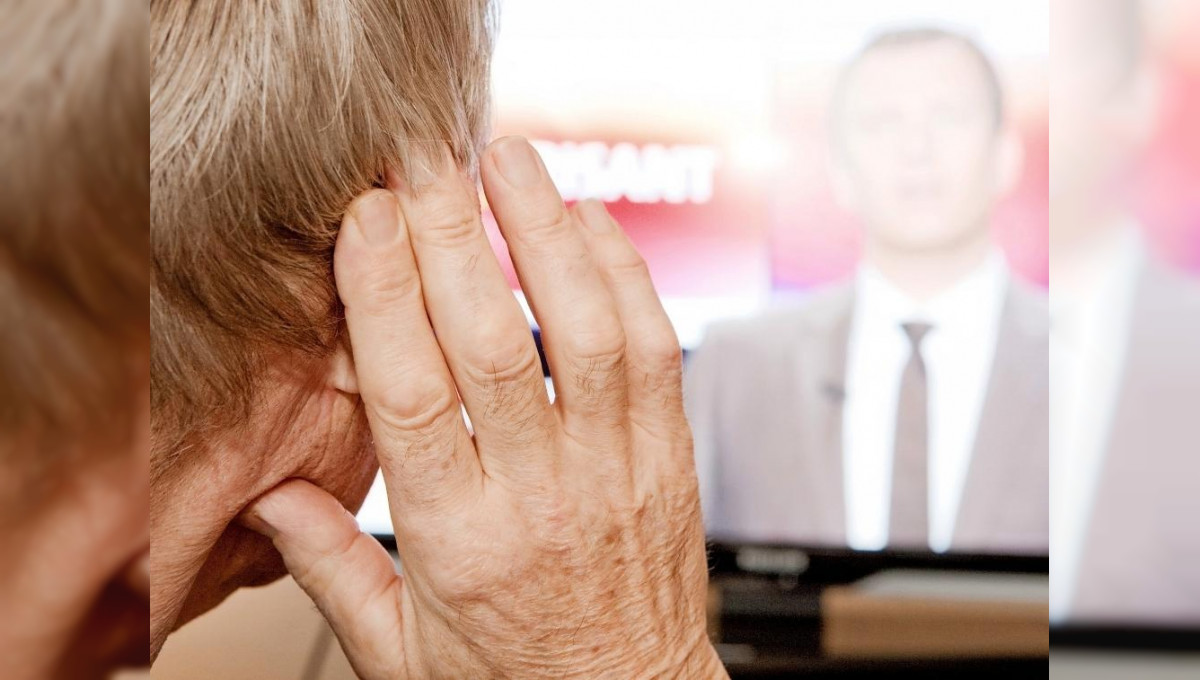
(707, 135)
(723, 139)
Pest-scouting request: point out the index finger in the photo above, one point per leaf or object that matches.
(426, 454)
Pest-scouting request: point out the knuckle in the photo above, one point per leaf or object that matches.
(450, 223)
(415, 405)
(597, 357)
(599, 344)
(662, 353)
(388, 286)
(629, 264)
(502, 356)
(545, 225)
(324, 567)
(656, 367)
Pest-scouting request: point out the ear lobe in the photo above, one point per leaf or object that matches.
(341, 375)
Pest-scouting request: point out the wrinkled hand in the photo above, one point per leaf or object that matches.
(562, 539)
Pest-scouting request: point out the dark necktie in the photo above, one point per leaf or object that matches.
(909, 523)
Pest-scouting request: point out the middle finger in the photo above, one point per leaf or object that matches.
(584, 340)
(479, 325)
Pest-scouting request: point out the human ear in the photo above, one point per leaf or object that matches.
(341, 375)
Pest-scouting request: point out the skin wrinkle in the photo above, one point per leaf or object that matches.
(603, 373)
(308, 461)
(468, 268)
(540, 236)
(416, 451)
(532, 423)
(641, 571)
(583, 621)
(407, 415)
(503, 385)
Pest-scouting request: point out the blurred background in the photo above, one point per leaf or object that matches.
(1164, 182)
(706, 131)
(1125, 314)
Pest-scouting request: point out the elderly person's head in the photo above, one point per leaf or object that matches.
(74, 346)
(267, 119)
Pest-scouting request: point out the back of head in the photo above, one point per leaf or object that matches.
(266, 120)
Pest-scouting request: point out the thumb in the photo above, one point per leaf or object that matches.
(347, 573)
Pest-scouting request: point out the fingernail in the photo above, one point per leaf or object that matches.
(377, 218)
(595, 216)
(517, 162)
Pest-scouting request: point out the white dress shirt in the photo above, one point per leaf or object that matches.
(958, 354)
(1090, 309)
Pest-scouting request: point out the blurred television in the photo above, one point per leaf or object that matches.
(704, 131)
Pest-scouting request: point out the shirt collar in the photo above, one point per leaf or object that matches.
(971, 303)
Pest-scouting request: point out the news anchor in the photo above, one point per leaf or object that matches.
(906, 408)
